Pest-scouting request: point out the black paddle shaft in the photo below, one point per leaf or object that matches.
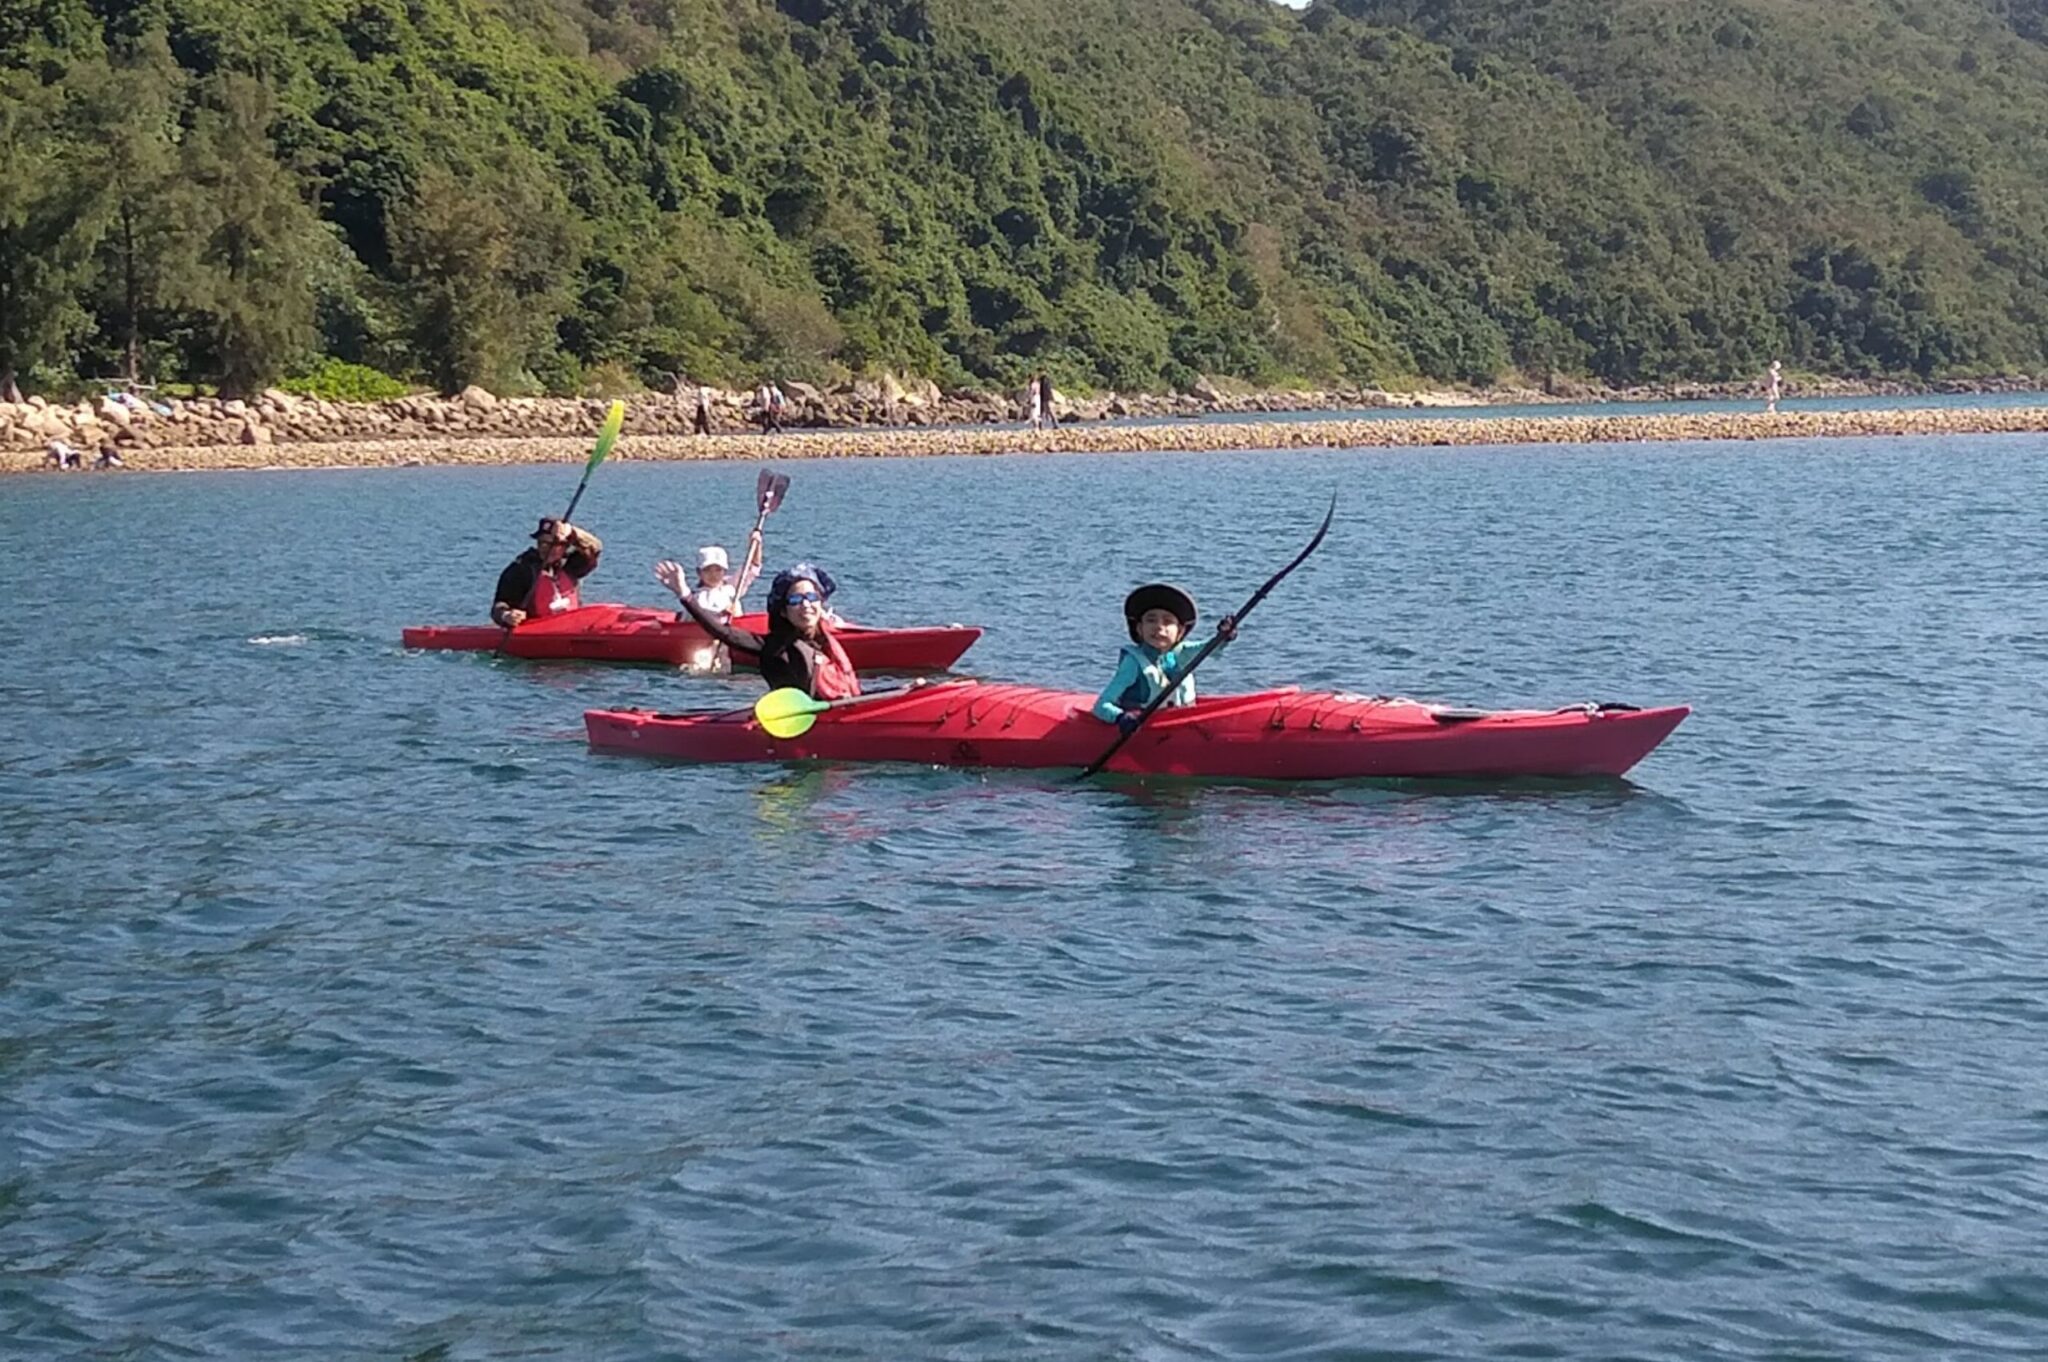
(1173, 682)
(570, 514)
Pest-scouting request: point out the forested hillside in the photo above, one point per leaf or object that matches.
(562, 194)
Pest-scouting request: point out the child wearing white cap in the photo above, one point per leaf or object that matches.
(717, 591)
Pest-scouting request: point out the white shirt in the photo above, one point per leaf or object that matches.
(720, 600)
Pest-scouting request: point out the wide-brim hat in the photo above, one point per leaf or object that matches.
(1159, 596)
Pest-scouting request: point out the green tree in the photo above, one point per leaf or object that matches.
(251, 245)
(484, 263)
(44, 251)
(130, 162)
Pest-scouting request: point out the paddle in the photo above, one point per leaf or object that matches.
(607, 436)
(790, 712)
(769, 489)
(1173, 682)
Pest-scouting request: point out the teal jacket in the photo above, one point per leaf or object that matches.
(1141, 673)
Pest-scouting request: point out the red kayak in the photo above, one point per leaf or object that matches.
(626, 633)
(1277, 734)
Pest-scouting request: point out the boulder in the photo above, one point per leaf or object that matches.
(253, 434)
(1206, 392)
(477, 399)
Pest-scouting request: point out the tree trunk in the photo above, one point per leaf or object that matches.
(8, 392)
(132, 290)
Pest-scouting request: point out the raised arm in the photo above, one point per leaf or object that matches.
(584, 548)
(750, 571)
(738, 639)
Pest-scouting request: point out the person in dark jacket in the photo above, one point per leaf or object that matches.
(543, 580)
(798, 649)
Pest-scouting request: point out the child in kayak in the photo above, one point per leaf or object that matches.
(543, 580)
(1159, 616)
(717, 591)
(798, 649)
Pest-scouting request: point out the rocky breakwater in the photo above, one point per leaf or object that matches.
(1080, 439)
(274, 417)
(277, 418)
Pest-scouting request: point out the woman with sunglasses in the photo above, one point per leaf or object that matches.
(798, 649)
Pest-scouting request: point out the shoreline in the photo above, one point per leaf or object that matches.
(1172, 437)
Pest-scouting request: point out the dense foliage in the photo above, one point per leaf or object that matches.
(545, 193)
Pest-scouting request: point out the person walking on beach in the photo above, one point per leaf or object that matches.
(1773, 386)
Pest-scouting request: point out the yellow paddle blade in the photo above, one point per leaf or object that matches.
(607, 435)
(788, 713)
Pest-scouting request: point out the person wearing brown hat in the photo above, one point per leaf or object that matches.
(1160, 617)
(543, 580)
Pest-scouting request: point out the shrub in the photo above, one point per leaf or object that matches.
(336, 380)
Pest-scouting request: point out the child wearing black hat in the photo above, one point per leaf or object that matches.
(1160, 616)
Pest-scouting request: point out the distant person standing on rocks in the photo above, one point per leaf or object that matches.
(769, 400)
(1773, 387)
(1041, 402)
(702, 425)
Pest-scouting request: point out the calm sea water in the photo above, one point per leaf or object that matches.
(349, 1008)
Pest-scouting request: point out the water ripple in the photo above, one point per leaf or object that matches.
(350, 1008)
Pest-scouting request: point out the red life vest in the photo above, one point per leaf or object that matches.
(832, 675)
(554, 591)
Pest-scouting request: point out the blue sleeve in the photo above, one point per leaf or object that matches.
(1127, 675)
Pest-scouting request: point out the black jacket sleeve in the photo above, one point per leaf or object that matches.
(515, 585)
(732, 638)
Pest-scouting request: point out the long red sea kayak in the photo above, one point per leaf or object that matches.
(626, 633)
(1278, 734)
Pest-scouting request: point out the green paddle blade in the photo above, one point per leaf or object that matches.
(607, 435)
(788, 713)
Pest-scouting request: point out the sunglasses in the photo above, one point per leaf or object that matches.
(805, 598)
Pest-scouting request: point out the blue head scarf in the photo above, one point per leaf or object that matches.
(778, 590)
